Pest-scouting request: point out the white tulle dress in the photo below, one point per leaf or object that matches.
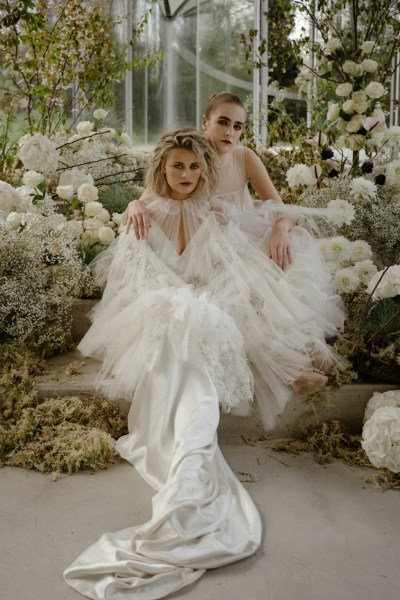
(181, 335)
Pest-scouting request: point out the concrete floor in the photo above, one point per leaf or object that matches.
(328, 535)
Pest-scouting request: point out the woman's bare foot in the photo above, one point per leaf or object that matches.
(309, 382)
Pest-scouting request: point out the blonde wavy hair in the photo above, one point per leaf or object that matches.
(187, 139)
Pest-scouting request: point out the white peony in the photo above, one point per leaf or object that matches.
(337, 249)
(32, 178)
(301, 174)
(85, 128)
(379, 399)
(38, 153)
(74, 177)
(87, 192)
(100, 113)
(389, 283)
(362, 187)
(375, 90)
(367, 47)
(381, 438)
(332, 45)
(353, 68)
(65, 192)
(360, 250)
(369, 65)
(344, 89)
(106, 235)
(340, 212)
(346, 280)
(393, 172)
(333, 111)
(93, 209)
(92, 223)
(366, 269)
(104, 216)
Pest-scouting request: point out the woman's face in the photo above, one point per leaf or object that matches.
(224, 126)
(182, 170)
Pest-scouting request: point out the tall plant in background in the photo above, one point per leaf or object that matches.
(59, 59)
(354, 49)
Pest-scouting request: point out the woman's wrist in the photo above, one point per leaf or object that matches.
(284, 224)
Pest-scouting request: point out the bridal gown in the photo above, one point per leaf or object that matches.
(181, 335)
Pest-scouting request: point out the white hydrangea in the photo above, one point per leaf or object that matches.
(393, 172)
(10, 200)
(74, 177)
(32, 178)
(344, 89)
(346, 279)
(379, 399)
(360, 250)
(389, 283)
(337, 249)
(362, 187)
(381, 438)
(38, 153)
(301, 174)
(375, 90)
(87, 192)
(106, 235)
(366, 269)
(341, 212)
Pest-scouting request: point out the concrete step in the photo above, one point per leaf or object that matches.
(71, 374)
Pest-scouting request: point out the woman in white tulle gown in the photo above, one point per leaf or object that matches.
(191, 318)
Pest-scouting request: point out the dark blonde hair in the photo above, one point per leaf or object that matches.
(222, 98)
(186, 139)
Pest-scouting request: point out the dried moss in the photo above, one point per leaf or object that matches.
(60, 435)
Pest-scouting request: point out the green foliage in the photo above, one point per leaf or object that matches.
(115, 198)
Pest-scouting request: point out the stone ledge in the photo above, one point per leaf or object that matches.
(348, 404)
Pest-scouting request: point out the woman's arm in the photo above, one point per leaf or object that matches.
(278, 246)
(137, 216)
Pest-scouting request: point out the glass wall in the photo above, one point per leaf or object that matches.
(202, 55)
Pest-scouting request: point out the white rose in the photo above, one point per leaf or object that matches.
(14, 219)
(93, 209)
(369, 65)
(344, 89)
(106, 235)
(38, 153)
(333, 111)
(10, 200)
(355, 124)
(87, 192)
(100, 113)
(392, 136)
(332, 45)
(375, 90)
(125, 139)
(65, 192)
(92, 223)
(367, 47)
(360, 101)
(348, 106)
(341, 124)
(353, 142)
(85, 128)
(32, 178)
(353, 68)
(89, 236)
(117, 219)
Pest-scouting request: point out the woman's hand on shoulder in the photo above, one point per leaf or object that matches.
(279, 246)
(137, 216)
